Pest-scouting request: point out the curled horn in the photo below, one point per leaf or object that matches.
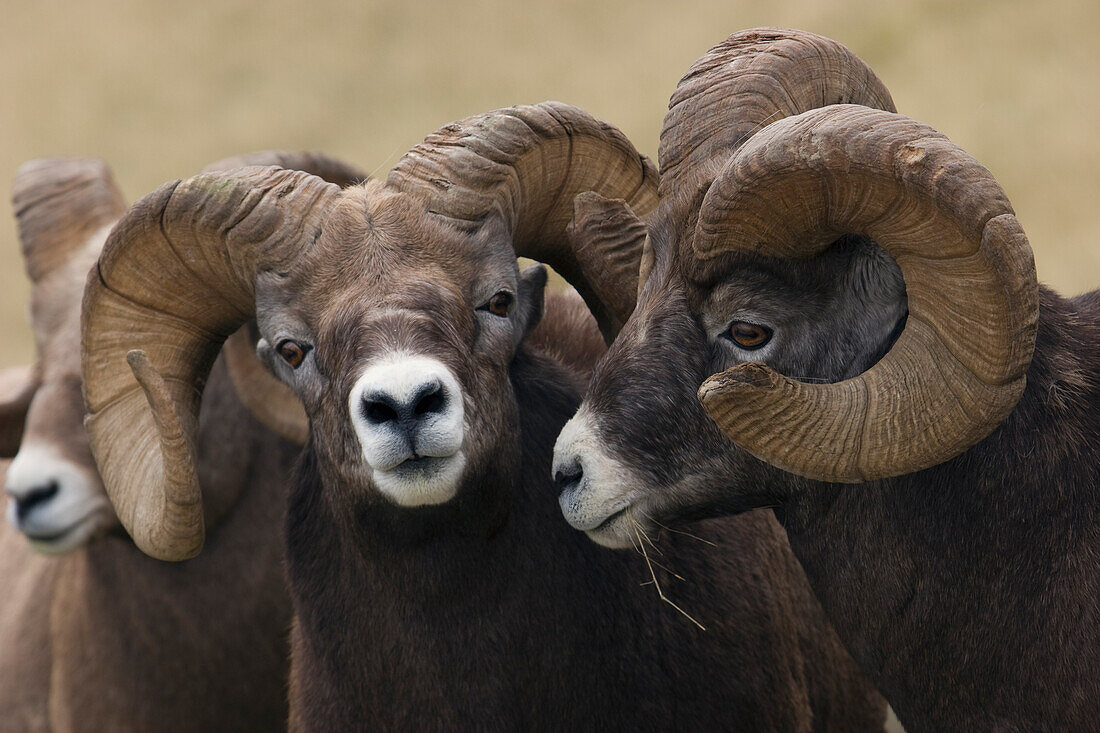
(265, 396)
(749, 81)
(959, 366)
(59, 204)
(175, 278)
(605, 235)
(272, 402)
(323, 166)
(527, 164)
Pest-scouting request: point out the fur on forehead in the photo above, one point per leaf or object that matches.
(376, 231)
(383, 247)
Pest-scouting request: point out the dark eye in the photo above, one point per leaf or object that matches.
(292, 352)
(499, 304)
(748, 335)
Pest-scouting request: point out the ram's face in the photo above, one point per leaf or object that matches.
(642, 451)
(55, 495)
(396, 335)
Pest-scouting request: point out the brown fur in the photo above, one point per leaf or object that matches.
(487, 611)
(17, 385)
(141, 645)
(449, 619)
(967, 591)
(25, 663)
(443, 590)
(104, 638)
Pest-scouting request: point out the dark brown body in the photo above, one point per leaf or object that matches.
(970, 592)
(967, 592)
(446, 620)
(108, 639)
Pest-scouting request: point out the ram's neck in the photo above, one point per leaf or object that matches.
(399, 610)
(968, 591)
(464, 624)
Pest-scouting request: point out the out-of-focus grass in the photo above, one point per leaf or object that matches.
(158, 89)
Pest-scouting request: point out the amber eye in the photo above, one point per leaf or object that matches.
(499, 304)
(749, 335)
(292, 352)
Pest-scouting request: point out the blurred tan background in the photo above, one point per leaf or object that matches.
(159, 89)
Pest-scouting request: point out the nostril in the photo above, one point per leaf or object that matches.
(568, 476)
(34, 497)
(380, 408)
(379, 411)
(429, 400)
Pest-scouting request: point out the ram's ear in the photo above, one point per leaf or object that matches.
(607, 239)
(529, 301)
(17, 388)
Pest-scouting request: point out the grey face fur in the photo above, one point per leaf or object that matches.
(642, 448)
(828, 316)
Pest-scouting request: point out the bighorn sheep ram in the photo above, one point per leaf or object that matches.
(932, 451)
(104, 638)
(434, 583)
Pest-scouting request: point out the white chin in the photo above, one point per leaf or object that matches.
(423, 482)
(69, 539)
(615, 535)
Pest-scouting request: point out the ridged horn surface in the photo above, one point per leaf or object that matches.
(528, 163)
(59, 203)
(175, 278)
(272, 402)
(606, 235)
(958, 367)
(750, 80)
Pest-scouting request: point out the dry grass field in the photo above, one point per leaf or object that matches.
(160, 88)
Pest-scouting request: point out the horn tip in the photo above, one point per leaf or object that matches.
(748, 376)
(173, 551)
(137, 359)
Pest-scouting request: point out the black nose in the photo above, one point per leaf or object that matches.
(34, 497)
(407, 413)
(569, 476)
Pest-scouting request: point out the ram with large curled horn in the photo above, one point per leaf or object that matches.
(161, 314)
(427, 560)
(91, 639)
(840, 319)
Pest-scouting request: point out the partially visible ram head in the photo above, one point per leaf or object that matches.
(65, 208)
(851, 290)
